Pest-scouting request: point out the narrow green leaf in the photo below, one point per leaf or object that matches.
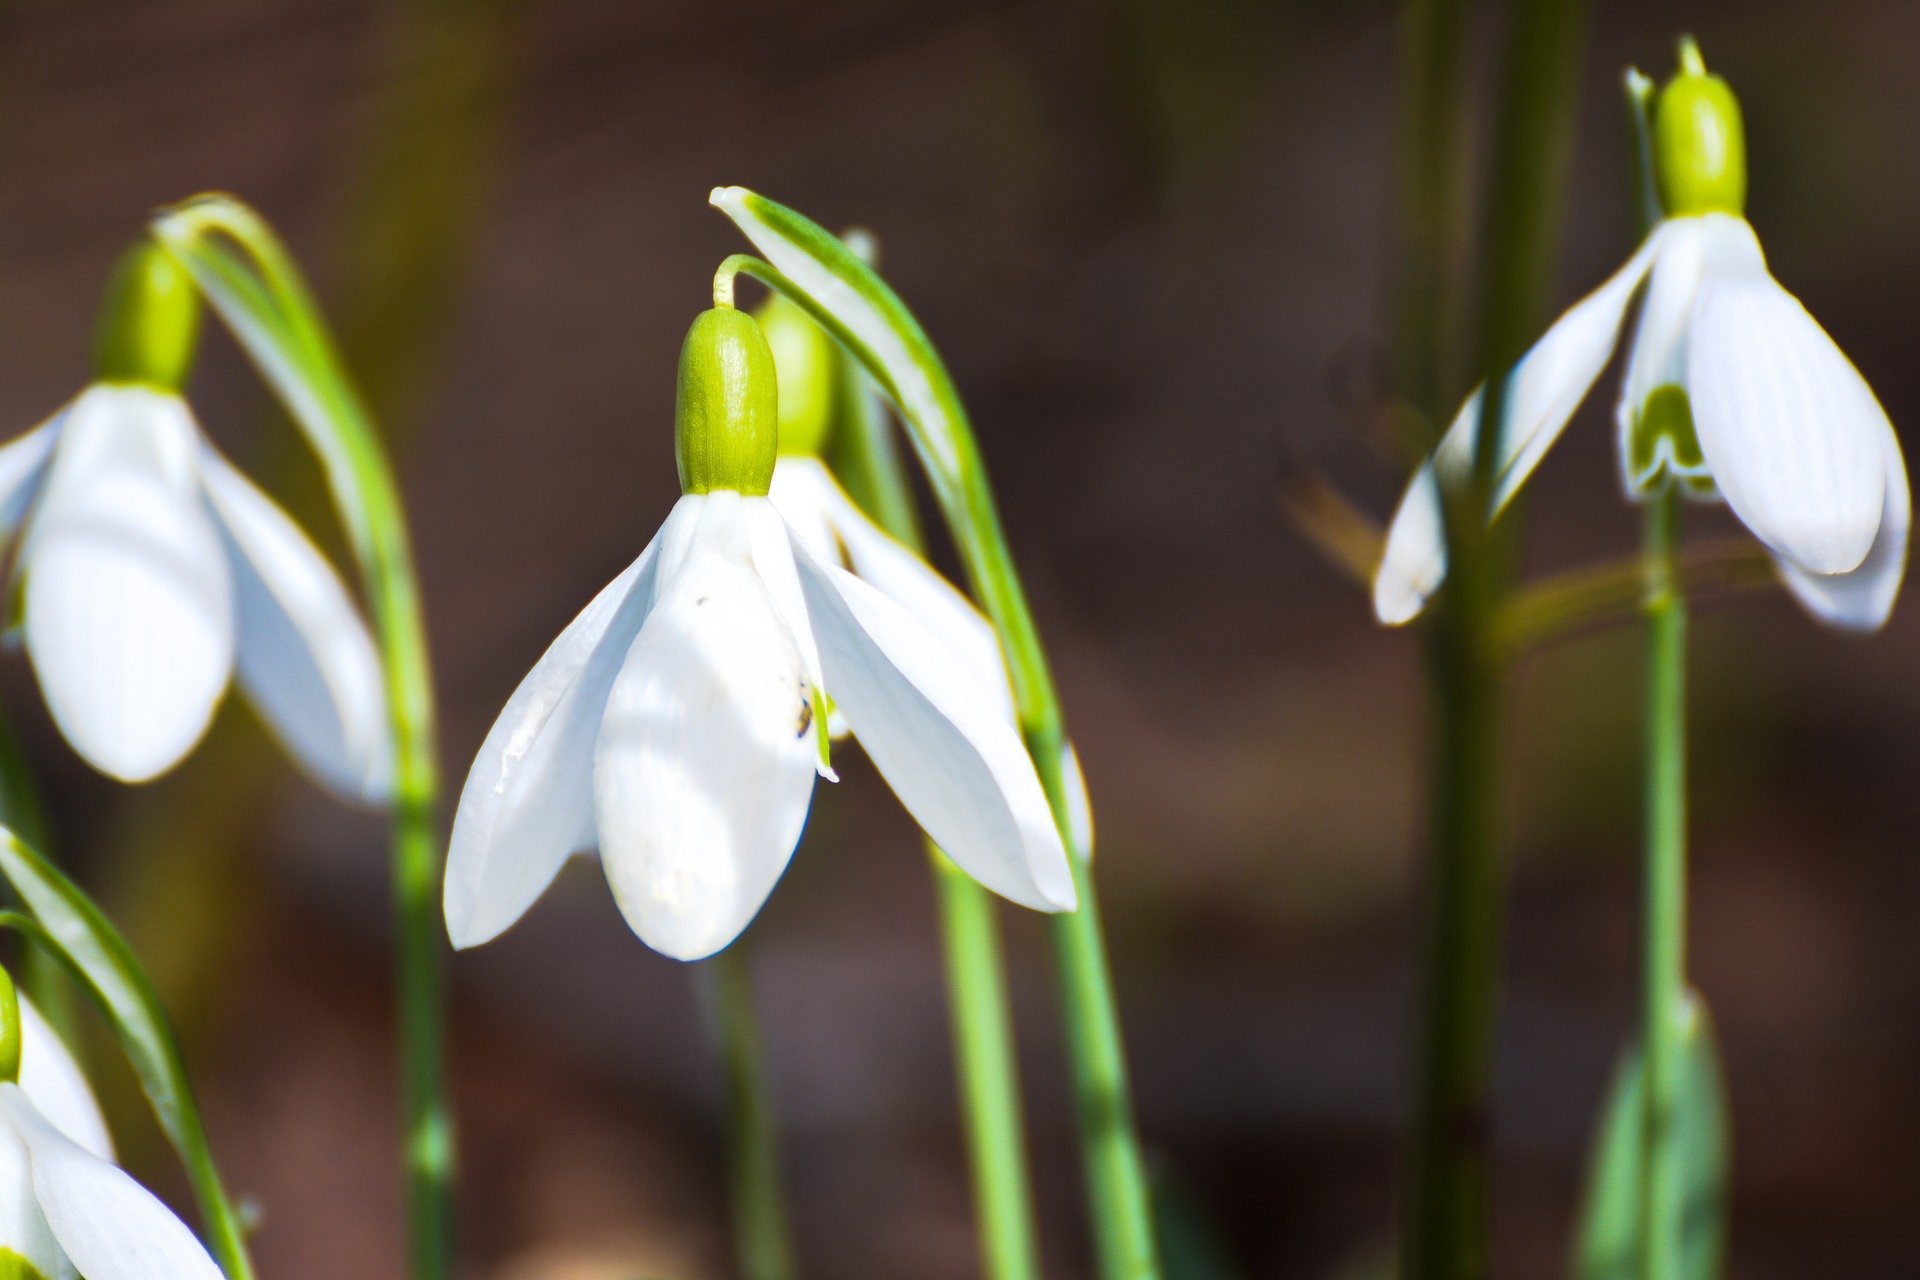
(1608, 1247)
(100, 960)
(859, 308)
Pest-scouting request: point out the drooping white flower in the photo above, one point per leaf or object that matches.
(1731, 390)
(675, 727)
(151, 570)
(66, 1209)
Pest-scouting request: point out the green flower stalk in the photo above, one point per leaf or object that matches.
(831, 425)
(246, 274)
(812, 267)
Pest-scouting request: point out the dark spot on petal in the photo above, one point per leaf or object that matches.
(806, 718)
(697, 603)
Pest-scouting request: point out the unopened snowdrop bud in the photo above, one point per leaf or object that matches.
(150, 325)
(726, 410)
(1700, 149)
(806, 365)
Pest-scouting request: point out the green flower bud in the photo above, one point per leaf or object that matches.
(806, 363)
(150, 324)
(9, 1028)
(726, 411)
(1699, 147)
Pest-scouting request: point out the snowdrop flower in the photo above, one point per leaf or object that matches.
(677, 725)
(1731, 389)
(65, 1208)
(152, 570)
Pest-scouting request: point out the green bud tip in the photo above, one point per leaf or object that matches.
(1699, 146)
(806, 366)
(150, 323)
(726, 409)
(9, 1028)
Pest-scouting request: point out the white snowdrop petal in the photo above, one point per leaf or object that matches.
(704, 766)
(129, 609)
(303, 654)
(937, 732)
(527, 805)
(1546, 387)
(108, 1224)
(1862, 599)
(23, 464)
(24, 1233)
(910, 582)
(1657, 355)
(54, 1083)
(1790, 430)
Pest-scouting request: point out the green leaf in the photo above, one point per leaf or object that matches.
(1609, 1242)
(850, 300)
(103, 964)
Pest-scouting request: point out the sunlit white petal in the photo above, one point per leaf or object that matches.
(25, 1236)
(23, 464)
(53, 1082)
(939, 736)
(1794, 437)
(773, 561)
(303, 654)
(1862, 599)
(129, 610)
(705, 762)
(528, 801)
(1546, 386)
(108, 1224)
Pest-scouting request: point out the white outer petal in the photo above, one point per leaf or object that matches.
(52, 1079)
(1546, 387)
(129, 606)
(23, 465)
(1790, 430)
(935, 731)
(23, 1228)
(108, 1224)
(704, 767)
(527, 805)
(303, 654)
(1862, 599)
(1657, 355)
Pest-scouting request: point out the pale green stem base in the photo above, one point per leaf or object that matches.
(988, 1074)
(762, 1244)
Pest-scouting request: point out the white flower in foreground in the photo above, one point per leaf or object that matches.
(153, 571)
(1731, 390)
(65, 1208)
(676, 725)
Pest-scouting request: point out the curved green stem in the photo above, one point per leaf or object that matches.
(251, 280)
(876, 328)
(762, 1243)
(1663, 956)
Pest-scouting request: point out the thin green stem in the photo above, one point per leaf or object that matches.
(763, 1246)
(1115, 1172)
(864, 458)
(262, 296)
(1663, 958)
(989, 1075)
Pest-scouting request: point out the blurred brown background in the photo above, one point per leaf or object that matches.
(1151, 236)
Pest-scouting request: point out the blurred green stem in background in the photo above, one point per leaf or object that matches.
(875, 326)
(863, 455)
(1663, 957)
(1447, 1229)
(763, 1247)
(252, 282)
(22, 812)
(417, 184)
